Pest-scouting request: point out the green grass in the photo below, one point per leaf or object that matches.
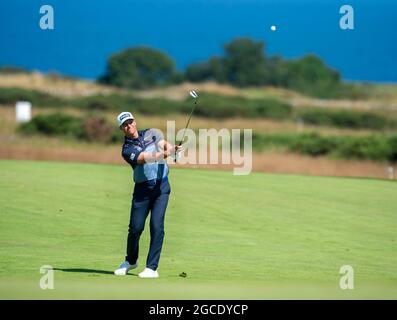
(258, 236)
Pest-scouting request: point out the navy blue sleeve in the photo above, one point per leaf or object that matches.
(130, 153)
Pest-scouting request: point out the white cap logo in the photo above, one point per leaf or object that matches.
(123, 117)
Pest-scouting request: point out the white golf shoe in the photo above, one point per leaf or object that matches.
(124, 268)
(148, 273)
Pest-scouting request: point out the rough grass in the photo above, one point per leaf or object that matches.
(381, 96)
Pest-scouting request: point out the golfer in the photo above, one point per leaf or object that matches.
(145, 150)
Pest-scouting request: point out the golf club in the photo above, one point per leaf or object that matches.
(195, 97)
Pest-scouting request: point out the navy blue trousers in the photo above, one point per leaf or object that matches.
(148, 196)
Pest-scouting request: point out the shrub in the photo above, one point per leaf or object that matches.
(354, 91)
(371, 147)
(104, 102)
(12, 95)
(97, 128)
(116, 136)
(93, 128)
(314, 144)
(217, 106)
(157, 106)
(273, 109)
(124, 102)
(263, 141)
(392, 154)
(56, 124)
(344, 119)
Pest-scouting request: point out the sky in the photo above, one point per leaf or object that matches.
(87, 32)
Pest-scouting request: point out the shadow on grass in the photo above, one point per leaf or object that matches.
(80, 270)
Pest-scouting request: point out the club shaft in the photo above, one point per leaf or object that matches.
(187, 124)
(188, 121)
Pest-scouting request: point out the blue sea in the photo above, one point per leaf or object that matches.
(87, 32)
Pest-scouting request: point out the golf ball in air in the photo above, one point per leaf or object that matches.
(273, 28)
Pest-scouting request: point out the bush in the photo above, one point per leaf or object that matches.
(116, 136)
(97, 129)
(314, 144)
(375, 148)
(12, 95)
(99, 103)
(123, 102)
(309, 143)
(272, 109)
(93, 128)
(261, 142)
(217, 106)
(372, 147)
(210, 105)
(353, 91)
(157, 106)
(344, 119)
(56, 124)
(392, 154)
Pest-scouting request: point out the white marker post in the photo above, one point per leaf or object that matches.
(23, 111)
(390, 171)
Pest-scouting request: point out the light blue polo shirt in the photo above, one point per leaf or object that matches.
(147, 141)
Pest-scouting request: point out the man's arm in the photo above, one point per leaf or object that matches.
(147, 157)
(165, 145)
(166, 150)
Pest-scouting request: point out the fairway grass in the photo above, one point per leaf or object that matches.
(261, 236)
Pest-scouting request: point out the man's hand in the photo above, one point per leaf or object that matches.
(175, 149)
(176, 153)
(167, 150)
(166, 146)
(148, 157)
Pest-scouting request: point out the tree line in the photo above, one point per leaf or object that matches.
(244, 63)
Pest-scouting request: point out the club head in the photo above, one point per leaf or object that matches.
(193, 94)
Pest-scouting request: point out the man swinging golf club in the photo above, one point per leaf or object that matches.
(145, 150)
